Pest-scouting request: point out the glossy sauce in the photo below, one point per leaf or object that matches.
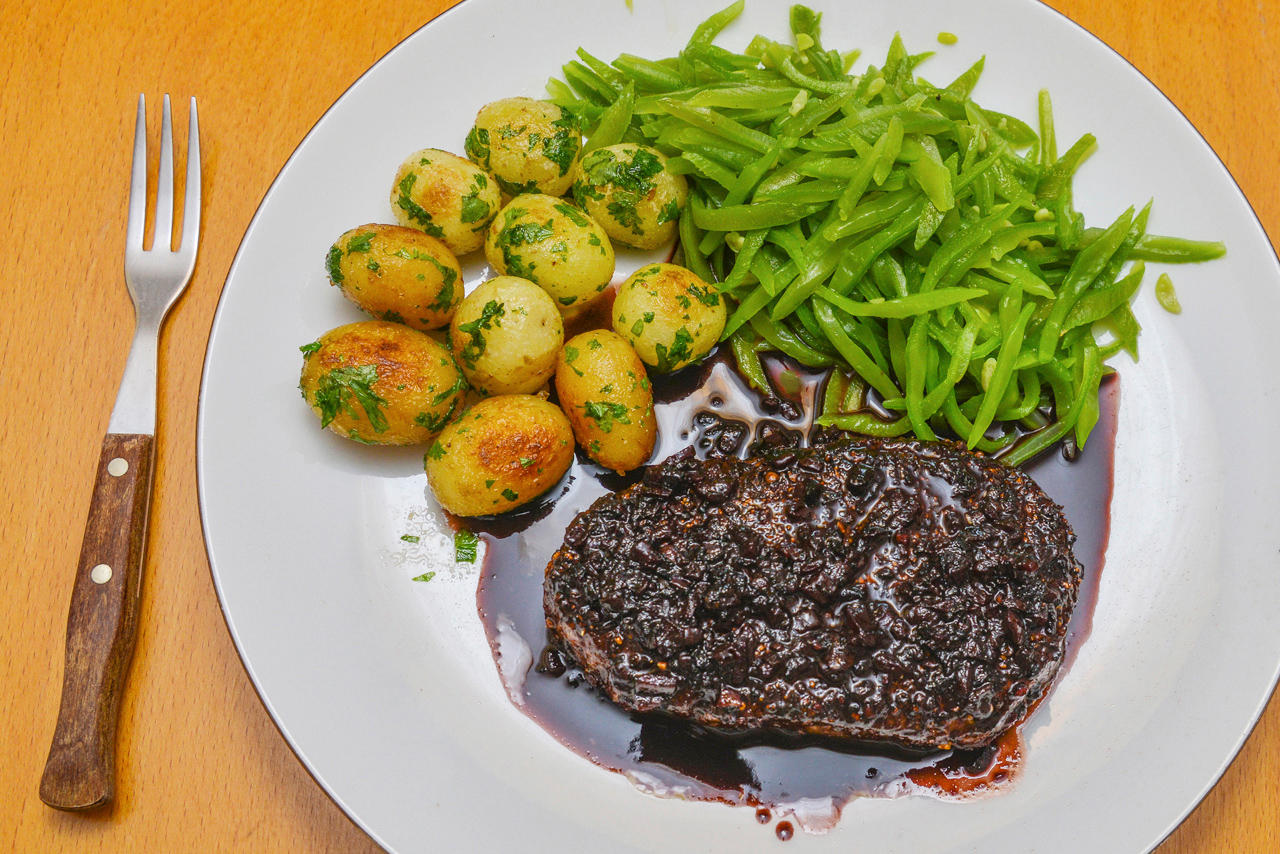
(803, 779)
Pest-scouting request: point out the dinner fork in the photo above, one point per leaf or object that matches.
(103, 619)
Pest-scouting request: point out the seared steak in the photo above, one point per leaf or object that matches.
(873, 589)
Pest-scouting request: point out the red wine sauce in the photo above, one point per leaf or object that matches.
(804, 778)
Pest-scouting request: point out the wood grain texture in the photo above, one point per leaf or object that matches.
(200, 765)
(101, 627)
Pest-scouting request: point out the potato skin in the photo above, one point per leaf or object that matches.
(398, 274)
(530, 146)
(603, 388)
(669, 315)
(499, 455)
(630, 190)
(445, 196)
(381, 383)
(554, 244)
(505, 335)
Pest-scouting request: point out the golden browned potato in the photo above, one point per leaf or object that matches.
(381, 383)
(603, 388)
(397, 273)
(669, 315)
(447, 197)
(629, 190)
(499, 455)
(506, 335)
(554, 244)
(530, 146)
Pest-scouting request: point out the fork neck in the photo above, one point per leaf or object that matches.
(135, 409)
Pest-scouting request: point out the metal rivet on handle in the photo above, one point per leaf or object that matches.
(100, 574)
(117, 467)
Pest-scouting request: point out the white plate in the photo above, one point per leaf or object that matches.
(385, 687)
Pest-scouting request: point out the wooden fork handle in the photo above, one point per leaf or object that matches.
(101, 627)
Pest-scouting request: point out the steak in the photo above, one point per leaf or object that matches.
(885, 590)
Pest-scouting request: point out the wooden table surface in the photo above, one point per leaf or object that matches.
(201, 766)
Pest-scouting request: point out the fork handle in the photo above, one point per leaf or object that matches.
(101, 627)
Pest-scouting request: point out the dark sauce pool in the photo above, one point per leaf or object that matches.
(805, 779)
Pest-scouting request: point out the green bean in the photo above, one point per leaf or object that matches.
(804, 81)
(866, 252)
(1048, 142)
(849, 350)
(704, 166)
(866, 424)
(613, 122)
(1097, 304)
(722, 126)
(706, 31)
(748, 359)
(1083, 271)
(1058, 176)
(916, 362)
(751, 243)
(693, 259)
(901, 307)
(787, 342)
(1169, 250)
(603, 70)
(588, 84)
(1008, 354)
(752, 216)
(963, 85)
(1049, 436)
(742, 96)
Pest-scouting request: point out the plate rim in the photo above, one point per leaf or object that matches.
(1260, 706)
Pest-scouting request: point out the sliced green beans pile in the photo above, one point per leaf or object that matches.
(926, 247)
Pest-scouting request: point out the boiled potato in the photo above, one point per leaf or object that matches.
(381, 383)
(631, 192)
(552, 243)
(603, 388)
(447, 197)
(506, 335)
(669, 315)
(499, 455)
(398, 274)
(530, 146)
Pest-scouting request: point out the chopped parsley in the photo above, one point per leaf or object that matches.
(308, 349)
(372, 266)
(464, 547)
(460, 384)
(521, 234)
(593, 344)
(669, 359)
(393, 316)
(474, 209)
(488, 484)
(525, 462)
(510, 495)
(705, 295)
(415, 211)
(605, 413)
(489, 318)
(426, 576)
(637, 328)
(567, 300)
(669, 213)
(434, 423)
(561, 148)
(571, 354)
(513, 189)
(576, 217)
(436, 451)
(477, 145)
(336, 391)
(332, 263)
(361, 242)
(409, 538)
